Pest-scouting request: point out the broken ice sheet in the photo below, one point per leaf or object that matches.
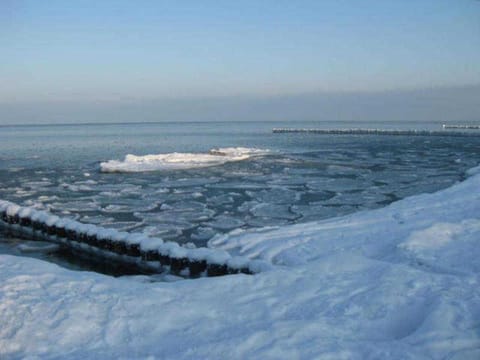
(275, 211)
(128, 206)
(266, 221)
(275, 195)
(96, 219)
(220, 200)
(337, 184)
(79, 205)
(315, 212)
(166, 219)
(238, 186)
(122, 225)
(225, 222)
(164, 231)
(187, 182)
(203, 233)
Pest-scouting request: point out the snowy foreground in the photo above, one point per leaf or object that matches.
(400, 282)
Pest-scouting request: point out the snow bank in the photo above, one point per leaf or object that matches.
(176, 161)
(395, 283)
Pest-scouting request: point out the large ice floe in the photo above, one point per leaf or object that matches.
(176, 161)
(401, 282)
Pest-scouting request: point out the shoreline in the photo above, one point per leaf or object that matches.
(401, 280)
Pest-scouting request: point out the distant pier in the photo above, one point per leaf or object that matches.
(463, 127)
(376, 132)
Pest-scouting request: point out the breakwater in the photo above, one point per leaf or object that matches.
(465, 127)
(130, 249)
(376, 132)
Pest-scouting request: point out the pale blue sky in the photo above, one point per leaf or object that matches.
(123, 52)
(97, 50)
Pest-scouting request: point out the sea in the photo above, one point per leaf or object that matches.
(190, 182)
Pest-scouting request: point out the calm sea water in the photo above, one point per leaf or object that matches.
(302, 177)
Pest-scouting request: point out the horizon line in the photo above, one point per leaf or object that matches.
(106, 123)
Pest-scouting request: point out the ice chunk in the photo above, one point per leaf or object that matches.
(318, 211)
(76, 188)
(122, 188)
(266, 221)
(224, 222)
(179, 212)
(275, 195)
(337, 184)
(275, 211)
(37, 247)
(220, 200)
(351, 199)
(80, 205)
(203, 233)
(122, 225)
(129, 206)
(166, 231)
(186, 182)
(37, 184)
(97, 219)
(176, 161)
(239, 185)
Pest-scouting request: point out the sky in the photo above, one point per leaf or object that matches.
(98, 58)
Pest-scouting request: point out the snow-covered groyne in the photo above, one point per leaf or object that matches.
(136, 250)
(412, 132)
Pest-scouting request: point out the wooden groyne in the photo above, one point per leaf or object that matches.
(130, 249)
(464, 127)
(375, 132)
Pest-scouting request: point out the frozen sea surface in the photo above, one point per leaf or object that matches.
(354, 276)
(189, 182)
(399, 282)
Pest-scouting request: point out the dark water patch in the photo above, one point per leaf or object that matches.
(12, 243)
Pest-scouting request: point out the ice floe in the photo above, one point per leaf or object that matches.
(176, 161)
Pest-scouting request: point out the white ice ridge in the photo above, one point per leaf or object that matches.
(176, 161)
(401, 282)
(393, 132)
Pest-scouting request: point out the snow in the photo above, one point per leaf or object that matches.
(448, 247)
(175, 161)
(37, 246)
(400, 282)
(172, 249)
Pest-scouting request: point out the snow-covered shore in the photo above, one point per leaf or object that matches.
(400, 282)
